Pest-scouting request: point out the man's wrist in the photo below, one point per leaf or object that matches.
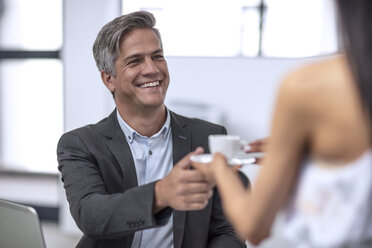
(159, 201)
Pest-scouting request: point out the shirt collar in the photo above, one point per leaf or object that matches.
(130, 133)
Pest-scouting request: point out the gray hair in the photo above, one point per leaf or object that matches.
(106, 48)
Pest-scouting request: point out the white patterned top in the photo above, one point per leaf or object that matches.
(332, 207)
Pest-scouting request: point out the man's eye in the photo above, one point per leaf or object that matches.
(158, 57)
(135, 61)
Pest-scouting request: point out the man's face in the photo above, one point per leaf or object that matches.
(142, 76)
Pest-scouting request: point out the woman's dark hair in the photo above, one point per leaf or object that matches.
(355, 17)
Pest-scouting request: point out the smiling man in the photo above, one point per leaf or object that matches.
(128, 178)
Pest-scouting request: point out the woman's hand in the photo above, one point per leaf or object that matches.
(259, 145)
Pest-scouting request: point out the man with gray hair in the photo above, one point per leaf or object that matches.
(128, 178)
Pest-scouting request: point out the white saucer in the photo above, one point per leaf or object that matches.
(254, 154)
(202, 158)
(207, 158)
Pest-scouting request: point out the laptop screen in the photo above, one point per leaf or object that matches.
(19, 226)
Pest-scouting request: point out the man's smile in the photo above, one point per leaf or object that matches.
(150, 84)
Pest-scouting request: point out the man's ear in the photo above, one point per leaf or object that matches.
(108, 80)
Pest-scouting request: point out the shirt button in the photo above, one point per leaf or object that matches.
(150, 152)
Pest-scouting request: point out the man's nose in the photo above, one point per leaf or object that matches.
(150, 67)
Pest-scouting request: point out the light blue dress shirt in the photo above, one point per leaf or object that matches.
(153, 159)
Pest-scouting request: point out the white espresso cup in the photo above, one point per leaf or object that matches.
(228, 145)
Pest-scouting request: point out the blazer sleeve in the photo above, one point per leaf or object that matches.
(97, 212)
(221, 234)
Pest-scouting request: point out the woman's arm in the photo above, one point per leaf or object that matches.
(253, 212)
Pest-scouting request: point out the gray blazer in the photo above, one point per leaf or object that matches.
(108, 205)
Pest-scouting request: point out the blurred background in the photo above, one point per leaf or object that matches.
(226, 60)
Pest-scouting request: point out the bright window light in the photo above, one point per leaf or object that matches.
(31, 114)
(290, 28)
(31, 90)
(31, 24)
(299, 28)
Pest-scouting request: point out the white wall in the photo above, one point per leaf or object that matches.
(243, 89)
(86, 99)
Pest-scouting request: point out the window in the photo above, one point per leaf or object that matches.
(285, 28)
(31, 117)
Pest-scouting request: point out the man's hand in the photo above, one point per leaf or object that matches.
(183, 188)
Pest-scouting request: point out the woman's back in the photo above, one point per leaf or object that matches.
(330, 205)
(338, 127)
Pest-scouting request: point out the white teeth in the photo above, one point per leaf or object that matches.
(152, 84)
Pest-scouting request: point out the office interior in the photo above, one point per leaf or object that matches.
(57, 86)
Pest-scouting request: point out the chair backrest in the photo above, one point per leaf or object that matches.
(19, 226)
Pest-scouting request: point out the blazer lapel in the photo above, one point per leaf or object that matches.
(119, 147)
(181, 137)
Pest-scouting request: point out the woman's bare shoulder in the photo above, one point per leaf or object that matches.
(315, 77)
